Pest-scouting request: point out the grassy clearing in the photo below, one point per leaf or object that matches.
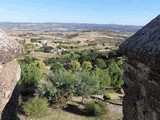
(59, 114)
(72, 113)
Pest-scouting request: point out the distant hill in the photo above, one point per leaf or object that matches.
(53, 27)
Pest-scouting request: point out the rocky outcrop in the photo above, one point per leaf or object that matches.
(142, 73)
(9, 68)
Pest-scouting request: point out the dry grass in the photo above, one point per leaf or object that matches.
(42, 55)
(59, 114)
(72, 113)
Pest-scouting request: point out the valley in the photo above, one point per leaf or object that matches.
(86, 62)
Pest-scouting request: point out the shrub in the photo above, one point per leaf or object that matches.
(29, 47)
(70, 36)
(87, 55)
(74, 65)
(28, 59)
(30, 75)
(49, 61)
(63, 59)
(47, 49)
(33, 40)
(56, 67)
(41, 65)
(32, 71)
(74, 56)
(36, 107)
(96, 108)
(87, 65)
(46, 90)
(100, 63)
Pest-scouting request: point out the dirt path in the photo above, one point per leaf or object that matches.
(115, 108)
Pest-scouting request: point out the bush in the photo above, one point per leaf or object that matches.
(87, 55)
(46, 90)
(41, 65)
(74, 65)
(87, 65)
(28, 59)
(70, 36)
(36, 107)
(33, 40)
(56, 67)
(32, 71)
(96, 108)
(100, 63)
(29, 47)
(47, 49)
(30, 75)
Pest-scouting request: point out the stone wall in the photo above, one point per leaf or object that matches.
(9, 68)
(142, 73)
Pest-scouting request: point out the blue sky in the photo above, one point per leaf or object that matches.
(128, 12)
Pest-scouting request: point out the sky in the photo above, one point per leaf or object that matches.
(126, 12)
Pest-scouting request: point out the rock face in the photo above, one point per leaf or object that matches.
(142, 73)
(9, 68)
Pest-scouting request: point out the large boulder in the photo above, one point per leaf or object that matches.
(9, 49)
(9, 68)
(142, 73)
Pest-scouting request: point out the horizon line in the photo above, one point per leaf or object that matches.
(75, 23)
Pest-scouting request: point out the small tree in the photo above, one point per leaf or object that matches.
(87, 65)
(86, 84)
(63, 81)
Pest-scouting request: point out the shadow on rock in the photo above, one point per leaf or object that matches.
(10, 110)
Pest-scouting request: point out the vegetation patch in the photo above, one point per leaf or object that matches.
(36, 108)
(96, 108)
